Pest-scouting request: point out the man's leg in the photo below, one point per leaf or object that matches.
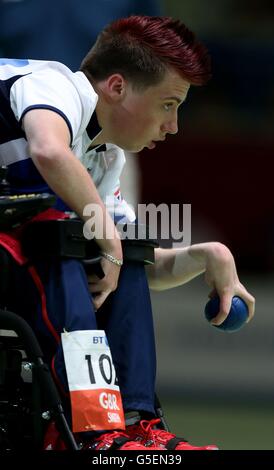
(57, 299)
(126, 316)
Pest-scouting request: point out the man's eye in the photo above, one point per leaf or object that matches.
(167, 106)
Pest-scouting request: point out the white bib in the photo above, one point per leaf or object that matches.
(95, 395)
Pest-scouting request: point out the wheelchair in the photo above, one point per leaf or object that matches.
(29, 398)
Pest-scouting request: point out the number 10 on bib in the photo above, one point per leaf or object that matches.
(94, 392)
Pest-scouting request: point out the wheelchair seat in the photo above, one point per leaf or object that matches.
(28, 395)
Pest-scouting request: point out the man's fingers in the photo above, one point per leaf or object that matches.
(225, 304)
(212, 294)
(99, 299)
(98, 285)
(94, 288)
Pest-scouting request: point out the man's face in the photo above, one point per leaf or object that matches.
(144, 117)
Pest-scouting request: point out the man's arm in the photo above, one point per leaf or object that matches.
(176, 266)
(48, 140)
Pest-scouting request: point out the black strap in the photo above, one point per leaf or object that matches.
(64, 238)
(172, 444)
(119, 442)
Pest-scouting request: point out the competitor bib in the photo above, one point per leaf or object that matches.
(95, 395)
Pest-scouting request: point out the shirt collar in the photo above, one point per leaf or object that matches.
(93, 127)
(97, 148)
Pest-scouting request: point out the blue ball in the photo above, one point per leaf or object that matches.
(237, 315)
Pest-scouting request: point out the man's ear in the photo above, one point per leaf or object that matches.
(115, 87)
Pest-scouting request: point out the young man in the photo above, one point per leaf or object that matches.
(66, 131)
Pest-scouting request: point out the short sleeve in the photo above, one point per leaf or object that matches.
(48, 89)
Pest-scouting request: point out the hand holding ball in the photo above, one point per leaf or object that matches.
(237, 315)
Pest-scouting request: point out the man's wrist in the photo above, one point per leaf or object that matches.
(112, 259)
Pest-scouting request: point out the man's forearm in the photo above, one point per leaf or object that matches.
(176, 266)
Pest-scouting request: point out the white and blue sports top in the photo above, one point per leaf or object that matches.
(34, 84)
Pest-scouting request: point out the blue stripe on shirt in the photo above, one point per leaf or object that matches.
(50, 108)
(14, 62)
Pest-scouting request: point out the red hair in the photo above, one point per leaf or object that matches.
(143, 47)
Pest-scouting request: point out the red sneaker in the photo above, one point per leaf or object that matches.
(117, 440)
(145, 433)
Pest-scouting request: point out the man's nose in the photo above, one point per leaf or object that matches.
(171, 126)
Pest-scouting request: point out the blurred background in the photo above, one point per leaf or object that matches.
(214, 387)
(218, 387)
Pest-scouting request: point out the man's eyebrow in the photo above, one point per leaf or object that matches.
(174, 98)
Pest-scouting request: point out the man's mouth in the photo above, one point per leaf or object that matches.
(151, 145)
